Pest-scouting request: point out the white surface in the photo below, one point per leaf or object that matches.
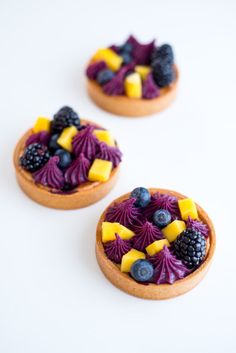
(53, 297)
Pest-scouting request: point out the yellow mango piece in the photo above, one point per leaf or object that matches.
(173, 230)
(133, 85)
(129, 258)
(156, 246)
(66, 137)
(188, 209)
(112, 59)
(104, 136)
(109, 229)
(100, 170)
(42, 124)
(143, 71)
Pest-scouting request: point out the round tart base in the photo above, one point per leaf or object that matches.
(82, 196)
(153, 291)
(130, 107)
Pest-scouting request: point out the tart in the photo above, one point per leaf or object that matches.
(66, 162)
(154, 243)
(133, 79)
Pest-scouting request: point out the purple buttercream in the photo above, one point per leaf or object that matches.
(162, 201)
(146, 234)
(85, 142)
(117, 248)
(50, 175)
(197, 226)
(115, 86)
(77, 173)
(115, 48)
(94, 68)
(150, 89)
(42, 137)
(109, 153)
(167, 268)
(141, 52)
(124, 213)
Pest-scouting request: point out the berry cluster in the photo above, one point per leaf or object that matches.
(133, 69)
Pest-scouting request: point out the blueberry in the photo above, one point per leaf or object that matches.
(127, 58)
(142, 197)
(65, 158)
(161, 218)
(142, 270)
(126, 48)
(104, 76)
(53, 145)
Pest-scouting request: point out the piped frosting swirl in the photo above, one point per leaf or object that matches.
(42, 137)
(146, 234)
(124, 213)
(197, 226)
(109, 153)
(85, 142)
(77, 173)
(116, 85)
(117, 248)
(162, 201)
(50, 175)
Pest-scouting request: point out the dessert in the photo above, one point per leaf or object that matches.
(154, 243)
(133, 79)
(66, 162)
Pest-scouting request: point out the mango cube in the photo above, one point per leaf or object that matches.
(188, 209)
(129, 258)
(100, 170)
(143, 71)
(110, 229)
(173, 230)
(112, 59)
(42, 124)
(156, 246)
(133, 85)
(104, 136)
(66, 137)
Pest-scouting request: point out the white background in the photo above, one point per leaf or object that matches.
(53, 297)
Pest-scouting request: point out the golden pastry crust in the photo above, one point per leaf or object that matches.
(153, 291)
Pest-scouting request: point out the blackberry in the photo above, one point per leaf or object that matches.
(163, 53)
(65, 117)
(190, 247)
(162, 72)
(34, 157)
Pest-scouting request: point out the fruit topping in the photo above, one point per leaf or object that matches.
(100, 170)
(163, 73)
(109, 231)
(94, 68)
(65, 117)
(156, 246)
(85, 142)
(108, 153)
(133, 85)
(50, 175)
(64, 158)
(141, 52)
(34, 157)
(104, 136)
(167, 268)
(173, 230)
(42, 124)
(197, 226)
(112, 59)
(116, 85)
(117, 248)
(127, 58)
(145, 235)
(161, 218)
(104, 76)
(66, 137)
(190, 247)
(53, 145)
(143, 71)
(142, 271)
(77, 173)
(125, 213)
(162, 201)
(164, 53)
(42, 137)
(142, 196)
(150, 89)
(129, 258)
(188, 209)
(126, 48)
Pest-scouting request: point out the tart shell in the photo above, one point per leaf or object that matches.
(82, 196)
(154, 291)
(130, 107)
